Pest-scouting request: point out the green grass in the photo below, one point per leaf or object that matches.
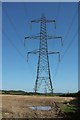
(0, 114)
(67, 109)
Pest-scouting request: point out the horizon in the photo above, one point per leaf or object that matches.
(38, 92)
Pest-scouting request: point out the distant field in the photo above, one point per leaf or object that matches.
(17, 106)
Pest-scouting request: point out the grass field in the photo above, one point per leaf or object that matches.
(17, 106)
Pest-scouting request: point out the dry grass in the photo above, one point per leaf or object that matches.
(17, 106)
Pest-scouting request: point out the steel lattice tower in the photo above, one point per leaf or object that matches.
(43, 69)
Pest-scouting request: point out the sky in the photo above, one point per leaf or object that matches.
(0, 45)
(17, 73)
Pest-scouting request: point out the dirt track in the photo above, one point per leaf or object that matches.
(17, 106)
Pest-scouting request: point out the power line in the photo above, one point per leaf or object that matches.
(18, 51)
(17, 35)
(9, 18)
(25, 11)
(69, 28)
(56, 70)
(72, 21)
(66, 50)
(69, 45)
(14, 45)
(67, 33)
(57, 14)
(58, 10)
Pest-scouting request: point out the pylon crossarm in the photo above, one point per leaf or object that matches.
(51, 21)
(55, 37)
(40, 20)
(54, 52)
(32, 52)
(35, 21)
(32, 37)
(48, 21)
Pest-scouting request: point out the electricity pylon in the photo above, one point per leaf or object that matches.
(43, 69)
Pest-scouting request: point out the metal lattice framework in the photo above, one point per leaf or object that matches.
(43, 69)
